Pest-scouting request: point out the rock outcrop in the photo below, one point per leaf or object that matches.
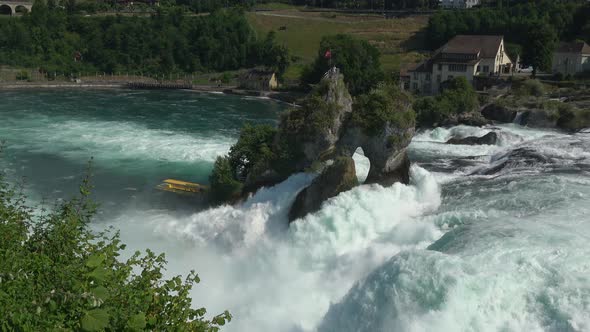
(382, 123)
(475, 119)
(385, 149)
(338, 177)
(328, 128)
(315, 127)
(499, 113)
(487, 139)
(539, 118)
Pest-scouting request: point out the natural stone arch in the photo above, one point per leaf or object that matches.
(20, 9)
(5, 9)
(362, 164)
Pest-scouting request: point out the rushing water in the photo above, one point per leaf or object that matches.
(486, 238)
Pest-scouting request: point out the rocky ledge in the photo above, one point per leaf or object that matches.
(488, 139)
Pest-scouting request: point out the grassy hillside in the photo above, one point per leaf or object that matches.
(399, 40)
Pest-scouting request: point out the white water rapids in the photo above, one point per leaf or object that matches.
(514, 256)
(485, 238)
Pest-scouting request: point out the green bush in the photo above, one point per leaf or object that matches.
(253, 149)
(224, 186)
(386, 104)
(58, 275)
(225, 78)
(23, 75)
(458, 97)
(531, 88)
(357, 60)
(253, 146)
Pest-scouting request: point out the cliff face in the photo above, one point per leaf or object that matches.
(314, 129)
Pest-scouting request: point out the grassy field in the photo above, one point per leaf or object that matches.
(400, 40)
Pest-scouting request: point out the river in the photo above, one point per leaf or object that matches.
(485, 238)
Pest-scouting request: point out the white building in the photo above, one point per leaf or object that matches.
(571, 58)
(464, 55)
(462, 4)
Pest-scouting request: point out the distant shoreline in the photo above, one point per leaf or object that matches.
(285, 97)
(26, 86)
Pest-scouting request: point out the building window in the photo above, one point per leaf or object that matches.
(438, 78)
(478, 68)
(428, 76)
(415, 86)
(457, 68)
(486, 69)
(450, 77)
(415, 76)
(439, 67)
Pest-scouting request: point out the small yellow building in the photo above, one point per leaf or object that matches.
(259, 80)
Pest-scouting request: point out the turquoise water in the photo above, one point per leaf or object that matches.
(462, 248)
(135, 138)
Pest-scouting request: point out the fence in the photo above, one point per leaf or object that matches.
(29, 75)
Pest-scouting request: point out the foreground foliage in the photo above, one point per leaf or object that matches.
(57, 275)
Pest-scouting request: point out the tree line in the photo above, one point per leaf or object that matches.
(168, 41)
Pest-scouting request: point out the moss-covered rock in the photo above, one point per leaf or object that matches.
(383, 125)
(314, 128)
(326, 127)
(574, 119)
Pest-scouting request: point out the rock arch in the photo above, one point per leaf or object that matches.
(21, 9)
(5, 9)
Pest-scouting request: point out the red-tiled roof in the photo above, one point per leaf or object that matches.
(574, 47)
(486, 46)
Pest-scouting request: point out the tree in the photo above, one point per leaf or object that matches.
(56, 274)
(538, 46)
(253, 146)
(357, 60)
(458, 97)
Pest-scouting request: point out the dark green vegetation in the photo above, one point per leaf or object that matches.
(534, 25)
(458, 97)
(357, 59)
(363, 4)
(168, 41)
(381, 106)
(55, 274)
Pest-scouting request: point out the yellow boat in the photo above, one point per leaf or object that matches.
(182, 187)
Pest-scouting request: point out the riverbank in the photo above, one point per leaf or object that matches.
(289, 97)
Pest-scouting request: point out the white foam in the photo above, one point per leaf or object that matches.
(108, 140)
(272, 279)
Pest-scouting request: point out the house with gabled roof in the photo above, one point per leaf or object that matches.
(571, 58)
(464, 55)
(259, 79)
(461, 4)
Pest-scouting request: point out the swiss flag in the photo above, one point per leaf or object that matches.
(328, 54)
